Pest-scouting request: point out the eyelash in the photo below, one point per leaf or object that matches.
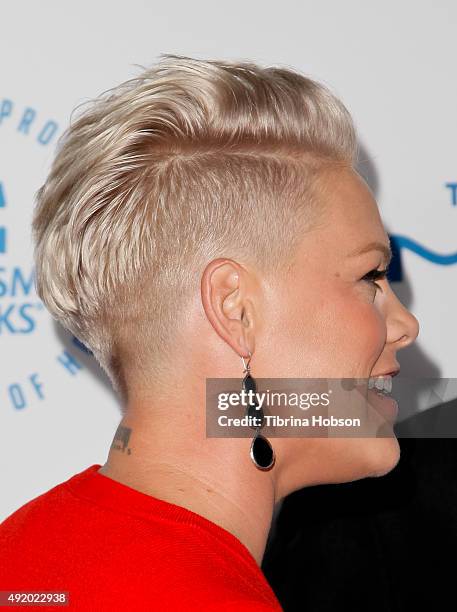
(374, 275)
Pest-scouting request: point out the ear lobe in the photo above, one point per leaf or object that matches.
(224, 299)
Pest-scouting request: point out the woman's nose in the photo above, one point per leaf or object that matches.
(402, 325)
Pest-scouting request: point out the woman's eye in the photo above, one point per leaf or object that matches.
(373, 276)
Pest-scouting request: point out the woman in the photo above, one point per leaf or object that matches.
(204, 220)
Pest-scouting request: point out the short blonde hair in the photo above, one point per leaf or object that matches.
(189, 161)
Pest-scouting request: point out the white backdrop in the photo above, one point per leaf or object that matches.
(392, 63)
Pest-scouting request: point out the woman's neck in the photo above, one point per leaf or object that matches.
(214, 477)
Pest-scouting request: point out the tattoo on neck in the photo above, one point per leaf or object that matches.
(121, 439)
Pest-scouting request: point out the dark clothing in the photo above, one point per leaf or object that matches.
(378, 544)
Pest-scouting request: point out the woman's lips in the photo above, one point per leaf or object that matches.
(384, 404)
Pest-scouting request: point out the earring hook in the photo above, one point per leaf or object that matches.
(246, 364)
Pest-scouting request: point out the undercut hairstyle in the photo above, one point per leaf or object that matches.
(190, 161)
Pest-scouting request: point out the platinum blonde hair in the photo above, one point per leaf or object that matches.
(189, 161)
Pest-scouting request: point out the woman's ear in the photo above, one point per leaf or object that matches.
(228, 305)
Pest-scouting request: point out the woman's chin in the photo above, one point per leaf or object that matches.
(340, 460)
(368, 457)
(375, 457)
(386, 456)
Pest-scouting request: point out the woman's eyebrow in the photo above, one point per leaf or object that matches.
(374, 246)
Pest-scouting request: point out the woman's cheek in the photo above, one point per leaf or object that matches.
(366, 331)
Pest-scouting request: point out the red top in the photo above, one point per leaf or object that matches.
(112, 547)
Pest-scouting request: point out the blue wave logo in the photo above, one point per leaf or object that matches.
(398, 243)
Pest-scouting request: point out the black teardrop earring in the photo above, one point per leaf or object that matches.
(262, 453)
